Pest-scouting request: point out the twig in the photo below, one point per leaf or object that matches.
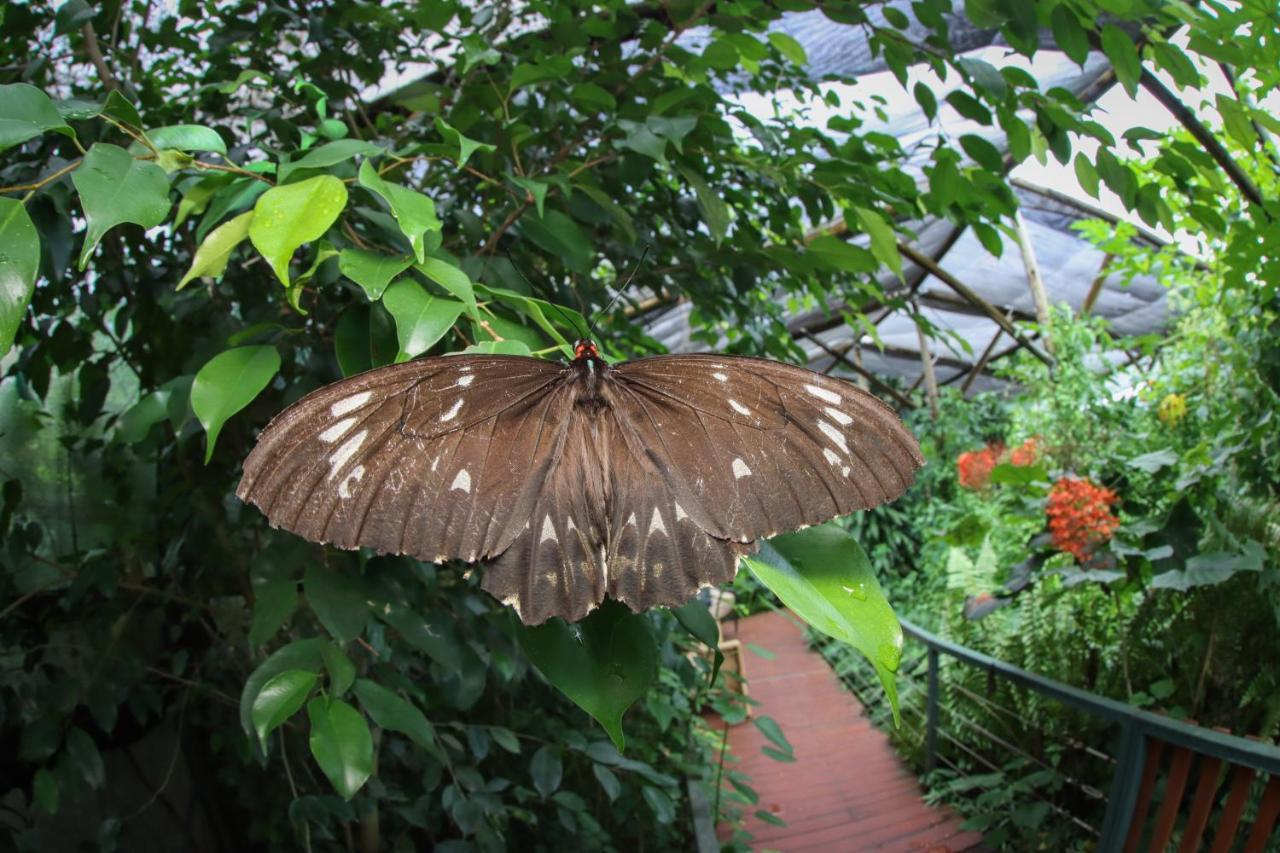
(22, 188)
(233, 169)
(94, 52)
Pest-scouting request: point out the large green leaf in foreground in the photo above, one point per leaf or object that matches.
(603, 663)
(824, 576)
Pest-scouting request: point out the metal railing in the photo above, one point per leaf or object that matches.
(1137, 728)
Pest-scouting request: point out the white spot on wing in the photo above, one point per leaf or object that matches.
(680, 513)
(831, 456)
(344, 488)
(548, 530)
(461, 482)
(738, 407)
(631, 520)
(823, 393)
(434, 463)
(740, 469)
(720, 376)
(453, 411)
(350, 404)
(837, 437)
(838, 416)
(343, 454)
(655, 523)
(337, 431)
(464, 381)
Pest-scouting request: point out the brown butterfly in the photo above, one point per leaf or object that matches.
(643, 480)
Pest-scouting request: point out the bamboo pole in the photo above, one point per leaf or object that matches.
(926, 364)
(974, 299)
(1034, 280)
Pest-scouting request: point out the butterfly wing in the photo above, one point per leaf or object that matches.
(440, 458)
(750, 448)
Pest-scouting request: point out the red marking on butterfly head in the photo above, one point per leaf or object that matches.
(585, 349)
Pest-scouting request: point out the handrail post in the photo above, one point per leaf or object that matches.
(1123, 795)
(931, 726)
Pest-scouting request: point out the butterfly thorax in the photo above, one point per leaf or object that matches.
(589, 369)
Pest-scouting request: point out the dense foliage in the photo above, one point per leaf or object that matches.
(1131, 549)
(210, 209)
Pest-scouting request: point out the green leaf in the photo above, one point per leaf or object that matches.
(451, 279)
(1086, 174)
(969, 107)
(45, 791)
(1070, 36)
(695, 618)
(227, 383)
(1154, 461)
(927, 100)
(506, 739)
(541, 312)
(342, 672)
(288, 216)
(341, 744)
(983, 152)
(714, 211)
(86, 758)
(413, 211)
(769, 727)
(373, 271)
(273, 602)
(591, 98)
(396, 714)
(1235, 120)
(789, 47)
(547, 770)
(769, 817)
(500, 348)
(212, 255)
(279, 699)
(421, 319)
(608, 781)
(884, 241)
(829, 251)
(187, 137)
(121, 110)
(115, 188)
(338, 599)
(560, 237)
(1211, 569)
(330, 154)
(1120, 49)
(537, 190)
(25, 113)
(301, 654)
(19, 266)
(466, 146)
(603, 663)
(663, 809)
(71, 16)
(824, 576)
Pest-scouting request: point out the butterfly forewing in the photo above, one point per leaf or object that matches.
(818, 447)
(365, 462)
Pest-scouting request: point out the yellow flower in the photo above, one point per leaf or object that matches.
(1172, 409)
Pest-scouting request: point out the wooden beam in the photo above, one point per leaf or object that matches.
(926, 365)
(1203, 135)
(974, 299)
(1034, 281)
(982, 363)
(1095, 289)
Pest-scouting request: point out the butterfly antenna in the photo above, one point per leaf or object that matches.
(634, 269)
(568, 318)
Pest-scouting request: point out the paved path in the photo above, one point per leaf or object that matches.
(847, 790)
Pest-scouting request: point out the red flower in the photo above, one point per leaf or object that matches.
(974, 467)
(1027, 453)
(1080, 516)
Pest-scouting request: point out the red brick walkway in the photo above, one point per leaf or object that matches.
(847, 790)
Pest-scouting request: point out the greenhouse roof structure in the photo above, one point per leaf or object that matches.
(950, 278)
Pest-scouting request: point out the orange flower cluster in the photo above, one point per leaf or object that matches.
(1080, 516)
(1026, 453)
(974, 467)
